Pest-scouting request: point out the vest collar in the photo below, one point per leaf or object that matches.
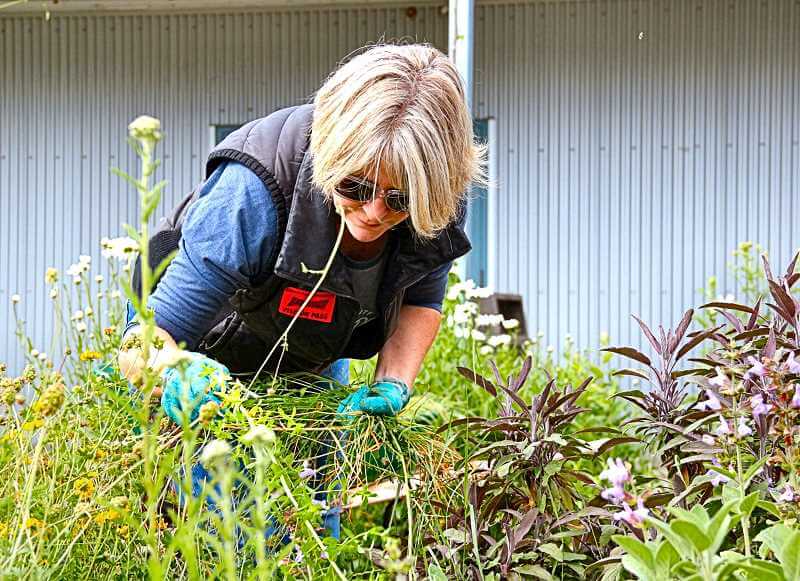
(311, 231)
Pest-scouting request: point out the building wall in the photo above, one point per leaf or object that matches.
(68, 88)
(637, 141)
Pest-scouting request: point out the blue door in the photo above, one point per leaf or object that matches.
(477, 219)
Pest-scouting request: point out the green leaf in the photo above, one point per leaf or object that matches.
(554, 551)
(683, 548)
(534, 571)
(692, 533)
(770, 507)
(753, 470)
(435, 573)
(721, 524)
(747, 504)
(636, 549)
(666, 557)
(456, 535)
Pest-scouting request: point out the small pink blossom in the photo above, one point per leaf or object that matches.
(633, 517)
(791, 365)
(788, 494)
(708, 439)
(717, 478)
(616, 473)
(615, 494)
(723, 429)
(307, 473)
(721, 381)
(757, 369)
(710, 403)
(743, 429)
(796, 397)
(759, 407)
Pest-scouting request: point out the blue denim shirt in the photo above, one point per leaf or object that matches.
(227, 240)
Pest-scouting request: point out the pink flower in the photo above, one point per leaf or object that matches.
(717, 478)
(721, 381)
(757, 369)
(615, 494)
(710, 403)
(708, 439)
(788, 494)
(742, 429)
(759, 407)
(791, 365)
(307, 473)
(633, 517)
(796, 397)
(723, 429)
(616, 473)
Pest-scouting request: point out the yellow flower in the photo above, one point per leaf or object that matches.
(32, 425)
(4, 530)
(109, 515)
(51, 276)
(35, 525)
(84, 488)
(90, 355)
(8, 436)
(108, 331)
(123, 531)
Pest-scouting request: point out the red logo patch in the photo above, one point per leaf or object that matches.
(319, 308)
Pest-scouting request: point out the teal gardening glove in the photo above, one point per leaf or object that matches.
(194, 387)
(381, 398)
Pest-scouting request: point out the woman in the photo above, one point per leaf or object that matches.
(388, 140)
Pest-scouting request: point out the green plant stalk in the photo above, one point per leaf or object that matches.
(307, 524)
(260, 517)
(26, 502)
(228, 524)
(746, 519)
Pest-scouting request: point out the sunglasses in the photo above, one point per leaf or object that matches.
(362, 191)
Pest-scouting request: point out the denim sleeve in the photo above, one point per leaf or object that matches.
(227, 239)
(429, 292)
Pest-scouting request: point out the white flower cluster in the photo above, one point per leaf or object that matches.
(77, 269)
(121, 248)
(469, 290)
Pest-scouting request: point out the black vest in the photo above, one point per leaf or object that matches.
(274, 148)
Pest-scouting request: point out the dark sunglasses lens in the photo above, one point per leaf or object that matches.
(397, 201)
(355, 190)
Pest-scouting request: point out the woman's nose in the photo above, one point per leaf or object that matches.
(376, 210)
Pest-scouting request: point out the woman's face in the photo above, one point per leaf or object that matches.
(368, 221)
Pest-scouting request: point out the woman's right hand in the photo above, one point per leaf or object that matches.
(191, 384)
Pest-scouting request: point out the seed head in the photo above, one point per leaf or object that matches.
(50, 401)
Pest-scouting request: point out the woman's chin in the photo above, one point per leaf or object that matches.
(364, 235)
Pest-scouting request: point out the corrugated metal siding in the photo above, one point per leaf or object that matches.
(68, 88)
(639, 143)
(628, 167)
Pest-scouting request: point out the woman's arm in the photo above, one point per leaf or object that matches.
(402, 355)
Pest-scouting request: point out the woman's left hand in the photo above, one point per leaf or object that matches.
(386, 397)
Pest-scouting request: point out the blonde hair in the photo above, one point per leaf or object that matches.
(400, 108)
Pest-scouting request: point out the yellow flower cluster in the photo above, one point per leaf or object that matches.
(84, 488)
(35, 526)
(110, 515)
(90, 355)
